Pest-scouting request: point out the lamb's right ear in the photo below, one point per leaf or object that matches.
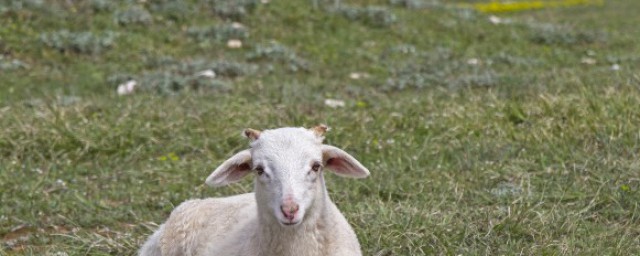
(231, 170)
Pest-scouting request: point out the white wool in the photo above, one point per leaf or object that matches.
(290, 212)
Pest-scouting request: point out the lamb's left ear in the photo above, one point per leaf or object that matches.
(342, 163)
(231, 170)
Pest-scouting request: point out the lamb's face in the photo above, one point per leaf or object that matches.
(287, 163)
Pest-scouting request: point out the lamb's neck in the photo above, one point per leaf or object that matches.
(307, 238)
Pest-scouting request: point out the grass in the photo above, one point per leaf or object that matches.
(482, 139)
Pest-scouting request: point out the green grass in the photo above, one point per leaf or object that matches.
(528, 152)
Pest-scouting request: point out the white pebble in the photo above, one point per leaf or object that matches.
(234, 43)
(588, 61)
(615, 67)
(127, 87)
(473, 61)
(333, 103)
(207, 73)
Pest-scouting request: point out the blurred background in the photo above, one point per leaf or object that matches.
(489, 127)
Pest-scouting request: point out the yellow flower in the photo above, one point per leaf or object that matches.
(497, 6)
(171, 156)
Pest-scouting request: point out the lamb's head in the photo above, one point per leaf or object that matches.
(288, 164)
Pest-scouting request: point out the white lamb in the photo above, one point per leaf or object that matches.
(289, 213)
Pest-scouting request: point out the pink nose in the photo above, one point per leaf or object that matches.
(289, 209)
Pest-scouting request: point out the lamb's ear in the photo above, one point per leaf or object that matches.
(320, 130)
(342, 163)
(231, 170)
(252, 134)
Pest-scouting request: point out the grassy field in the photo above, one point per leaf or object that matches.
(509, 135)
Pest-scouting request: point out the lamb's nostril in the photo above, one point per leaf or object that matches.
(289, 210)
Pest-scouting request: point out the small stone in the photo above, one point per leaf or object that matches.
(127, 87)
(473, 61)
(207, 73)
(588, 61)
(234, 44)
(615, 67)
(333, 103)
(357, 75)
(495, 19)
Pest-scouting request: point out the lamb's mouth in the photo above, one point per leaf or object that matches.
(290, 223)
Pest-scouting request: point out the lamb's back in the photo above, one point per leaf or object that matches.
(197, 223)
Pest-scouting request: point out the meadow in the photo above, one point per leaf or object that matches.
(515, 133)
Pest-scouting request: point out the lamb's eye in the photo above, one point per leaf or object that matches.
(316, 167)
(259, 170)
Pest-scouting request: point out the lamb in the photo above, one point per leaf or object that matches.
(289, 213)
